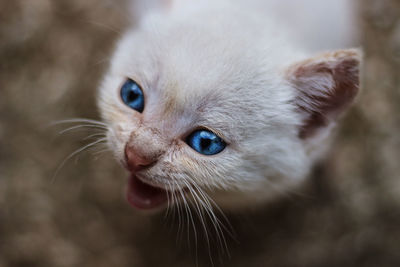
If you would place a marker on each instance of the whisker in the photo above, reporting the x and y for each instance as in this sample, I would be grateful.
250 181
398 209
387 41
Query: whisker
169 212
212 203
229 229
75 153
101 151
94 135
171 199
190 216
174 201
194 228
101 61
104 26
200 213
215 221
168 200
186 206
99 154
77 120
179 215
219 226
82 126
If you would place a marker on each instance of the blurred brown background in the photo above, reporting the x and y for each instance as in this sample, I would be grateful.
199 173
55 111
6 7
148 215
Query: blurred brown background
52 55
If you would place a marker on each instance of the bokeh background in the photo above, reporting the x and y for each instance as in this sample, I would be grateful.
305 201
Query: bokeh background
52 56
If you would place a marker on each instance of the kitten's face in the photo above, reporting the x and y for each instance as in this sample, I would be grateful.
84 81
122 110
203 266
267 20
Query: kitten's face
194 106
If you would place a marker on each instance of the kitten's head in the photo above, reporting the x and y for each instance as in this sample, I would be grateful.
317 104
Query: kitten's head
212 100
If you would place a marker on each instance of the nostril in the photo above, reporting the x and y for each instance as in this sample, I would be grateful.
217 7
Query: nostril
135 161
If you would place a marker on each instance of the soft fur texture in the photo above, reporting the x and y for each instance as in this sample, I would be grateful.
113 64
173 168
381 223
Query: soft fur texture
230 68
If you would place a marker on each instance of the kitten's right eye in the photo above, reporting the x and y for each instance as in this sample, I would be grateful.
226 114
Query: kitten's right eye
132 95
205 142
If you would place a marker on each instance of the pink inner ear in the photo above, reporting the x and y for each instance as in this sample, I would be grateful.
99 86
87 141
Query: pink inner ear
326 87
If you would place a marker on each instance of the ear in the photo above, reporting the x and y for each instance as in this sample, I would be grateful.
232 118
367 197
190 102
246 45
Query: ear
325 86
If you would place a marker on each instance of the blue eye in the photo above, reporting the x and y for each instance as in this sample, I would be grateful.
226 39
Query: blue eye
132 95
205 142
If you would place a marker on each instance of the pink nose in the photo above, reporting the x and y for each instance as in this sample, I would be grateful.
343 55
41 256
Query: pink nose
135 161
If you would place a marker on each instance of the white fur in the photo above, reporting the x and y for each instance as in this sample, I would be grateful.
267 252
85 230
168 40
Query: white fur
218 65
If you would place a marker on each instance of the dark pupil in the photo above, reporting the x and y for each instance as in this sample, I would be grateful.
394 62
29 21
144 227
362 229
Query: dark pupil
204 143
132 96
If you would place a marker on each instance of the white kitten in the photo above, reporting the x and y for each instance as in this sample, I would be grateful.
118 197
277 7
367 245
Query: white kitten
219 101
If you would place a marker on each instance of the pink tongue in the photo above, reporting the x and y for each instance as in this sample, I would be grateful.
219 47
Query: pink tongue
144 196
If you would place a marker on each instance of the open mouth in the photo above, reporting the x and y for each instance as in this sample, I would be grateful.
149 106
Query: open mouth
144 196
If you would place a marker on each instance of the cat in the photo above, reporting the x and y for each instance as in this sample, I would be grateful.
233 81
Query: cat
219 104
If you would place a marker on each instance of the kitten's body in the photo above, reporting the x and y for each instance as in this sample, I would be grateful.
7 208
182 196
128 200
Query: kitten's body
231 68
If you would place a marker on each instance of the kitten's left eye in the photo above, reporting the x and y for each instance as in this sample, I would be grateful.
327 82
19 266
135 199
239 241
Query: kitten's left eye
132 95
205 142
